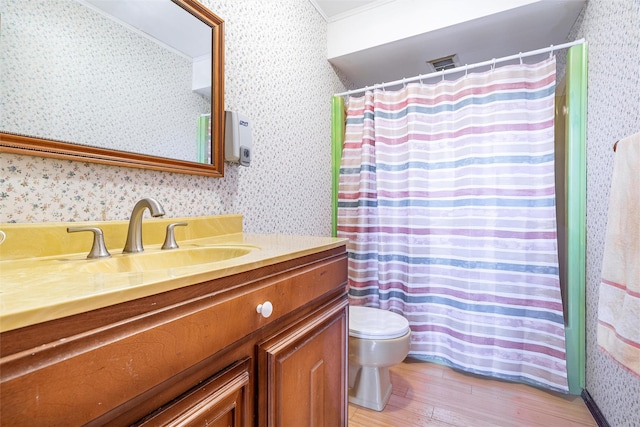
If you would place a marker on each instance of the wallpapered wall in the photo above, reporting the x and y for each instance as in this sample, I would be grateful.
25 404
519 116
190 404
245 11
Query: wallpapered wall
612 30
276 72
70 73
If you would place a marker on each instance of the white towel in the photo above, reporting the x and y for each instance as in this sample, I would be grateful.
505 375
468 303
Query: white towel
619 303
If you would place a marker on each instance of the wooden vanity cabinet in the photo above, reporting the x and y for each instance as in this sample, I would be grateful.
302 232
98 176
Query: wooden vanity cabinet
298 366
220 401
198 355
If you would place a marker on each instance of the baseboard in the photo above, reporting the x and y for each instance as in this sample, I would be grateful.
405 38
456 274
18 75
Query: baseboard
593 408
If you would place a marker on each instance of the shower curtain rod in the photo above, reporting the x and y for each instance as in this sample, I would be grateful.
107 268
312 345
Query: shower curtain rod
467 67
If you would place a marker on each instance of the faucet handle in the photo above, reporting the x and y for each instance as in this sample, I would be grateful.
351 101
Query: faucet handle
170 239
98 250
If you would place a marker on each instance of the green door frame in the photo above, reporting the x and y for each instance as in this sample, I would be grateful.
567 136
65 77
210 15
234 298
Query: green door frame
576 196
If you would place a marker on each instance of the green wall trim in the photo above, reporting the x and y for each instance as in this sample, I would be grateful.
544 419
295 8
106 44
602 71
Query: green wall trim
576 193
337 137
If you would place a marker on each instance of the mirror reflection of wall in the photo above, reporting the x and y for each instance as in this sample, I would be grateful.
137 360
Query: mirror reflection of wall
71 74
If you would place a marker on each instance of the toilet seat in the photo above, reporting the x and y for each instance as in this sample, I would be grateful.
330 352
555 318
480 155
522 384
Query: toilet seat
373 323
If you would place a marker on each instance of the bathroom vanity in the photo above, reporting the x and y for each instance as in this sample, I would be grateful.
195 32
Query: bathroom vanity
258 338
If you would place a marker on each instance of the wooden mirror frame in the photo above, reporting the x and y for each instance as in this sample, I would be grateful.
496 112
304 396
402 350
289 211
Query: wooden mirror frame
34 146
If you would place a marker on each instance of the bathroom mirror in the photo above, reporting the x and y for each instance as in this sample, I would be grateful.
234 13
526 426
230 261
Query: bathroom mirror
87 80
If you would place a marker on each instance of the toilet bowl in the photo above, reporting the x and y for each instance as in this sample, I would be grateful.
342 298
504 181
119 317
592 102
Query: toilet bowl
378 339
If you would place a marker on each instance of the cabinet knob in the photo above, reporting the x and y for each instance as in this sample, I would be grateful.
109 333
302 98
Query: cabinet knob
265 309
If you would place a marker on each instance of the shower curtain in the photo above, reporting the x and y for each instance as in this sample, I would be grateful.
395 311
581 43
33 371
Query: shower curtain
447 196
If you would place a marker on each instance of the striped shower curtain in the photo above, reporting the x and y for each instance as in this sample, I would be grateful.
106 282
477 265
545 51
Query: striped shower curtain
447 195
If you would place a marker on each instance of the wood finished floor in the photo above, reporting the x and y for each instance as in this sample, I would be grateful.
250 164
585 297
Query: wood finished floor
426 394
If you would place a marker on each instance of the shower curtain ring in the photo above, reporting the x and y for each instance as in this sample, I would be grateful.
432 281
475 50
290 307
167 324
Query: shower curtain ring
551 52
443 74
520 58
466 70
404 83
493 66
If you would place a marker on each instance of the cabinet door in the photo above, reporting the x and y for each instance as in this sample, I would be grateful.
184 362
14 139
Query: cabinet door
220 401
302 372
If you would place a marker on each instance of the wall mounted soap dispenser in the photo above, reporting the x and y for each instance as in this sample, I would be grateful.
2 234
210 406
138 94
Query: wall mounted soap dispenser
237 138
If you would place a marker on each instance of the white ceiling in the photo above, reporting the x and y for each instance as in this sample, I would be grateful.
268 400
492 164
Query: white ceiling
336 9
521 29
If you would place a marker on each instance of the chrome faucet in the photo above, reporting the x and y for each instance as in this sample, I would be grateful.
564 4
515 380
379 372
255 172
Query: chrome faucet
134 233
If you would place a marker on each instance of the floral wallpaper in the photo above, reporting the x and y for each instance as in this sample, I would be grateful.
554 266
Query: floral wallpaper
276 72
612 31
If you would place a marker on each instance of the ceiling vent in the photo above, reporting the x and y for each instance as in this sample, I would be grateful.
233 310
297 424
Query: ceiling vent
444 63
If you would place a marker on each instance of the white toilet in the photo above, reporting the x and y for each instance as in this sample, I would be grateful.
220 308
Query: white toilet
378 339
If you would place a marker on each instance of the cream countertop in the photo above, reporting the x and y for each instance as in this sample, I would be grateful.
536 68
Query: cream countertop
33 290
